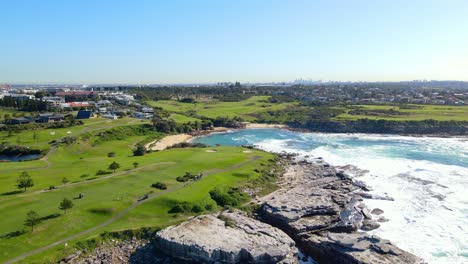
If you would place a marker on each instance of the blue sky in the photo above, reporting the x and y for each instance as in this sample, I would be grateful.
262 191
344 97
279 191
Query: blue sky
177 41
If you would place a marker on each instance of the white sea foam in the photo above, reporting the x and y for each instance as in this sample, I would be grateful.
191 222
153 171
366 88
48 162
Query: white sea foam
429 216
427 177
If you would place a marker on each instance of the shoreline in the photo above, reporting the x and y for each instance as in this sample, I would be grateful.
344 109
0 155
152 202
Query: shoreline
171 140
322 209
167 141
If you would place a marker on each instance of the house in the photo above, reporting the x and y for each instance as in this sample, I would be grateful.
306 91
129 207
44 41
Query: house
85 114
50 118
21 97
20 120
141 115
110 116
147 110
54 100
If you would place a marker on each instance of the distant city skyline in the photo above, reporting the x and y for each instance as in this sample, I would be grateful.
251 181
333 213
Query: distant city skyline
208 41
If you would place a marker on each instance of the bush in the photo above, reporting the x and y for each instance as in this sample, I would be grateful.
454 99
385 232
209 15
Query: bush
188 145
111 154
197 209
227 220
183 207
229 197
68 140
139 150
188 177
159 185
102 172
186 207
87 245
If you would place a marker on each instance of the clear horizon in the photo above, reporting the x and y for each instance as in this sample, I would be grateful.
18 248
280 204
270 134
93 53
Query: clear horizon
180 42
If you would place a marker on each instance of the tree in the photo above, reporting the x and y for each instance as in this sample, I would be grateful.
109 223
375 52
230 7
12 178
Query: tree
32 219
114 166
135 165
65 180
35 136
24 181
65 204
140 150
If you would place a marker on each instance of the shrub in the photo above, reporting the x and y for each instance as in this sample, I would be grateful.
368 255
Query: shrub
111 154
68 140
183 207
186 207
188 177
229 197
159 185
139 150
197 209
102 172
188 145
227 220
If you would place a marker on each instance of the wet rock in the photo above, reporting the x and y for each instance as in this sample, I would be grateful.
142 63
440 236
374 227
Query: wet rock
377 211
322 211
368 225
355 247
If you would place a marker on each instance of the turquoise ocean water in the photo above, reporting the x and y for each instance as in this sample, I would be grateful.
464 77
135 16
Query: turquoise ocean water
426 176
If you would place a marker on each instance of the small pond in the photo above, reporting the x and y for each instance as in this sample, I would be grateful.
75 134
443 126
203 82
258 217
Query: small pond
19 157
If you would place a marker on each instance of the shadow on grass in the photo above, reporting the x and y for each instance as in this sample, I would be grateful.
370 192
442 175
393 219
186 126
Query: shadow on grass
101 211
47 217
13 234
11 193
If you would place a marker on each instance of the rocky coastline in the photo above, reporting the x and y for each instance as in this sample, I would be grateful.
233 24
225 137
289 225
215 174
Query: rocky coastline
318 209
322 209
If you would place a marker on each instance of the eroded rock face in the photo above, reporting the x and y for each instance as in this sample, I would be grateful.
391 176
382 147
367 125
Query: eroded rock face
230 238
322 210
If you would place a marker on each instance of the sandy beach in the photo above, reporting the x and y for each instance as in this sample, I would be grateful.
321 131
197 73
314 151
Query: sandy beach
171 140
259 125
168 141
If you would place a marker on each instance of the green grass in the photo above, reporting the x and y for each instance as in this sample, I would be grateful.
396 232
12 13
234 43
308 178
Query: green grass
107 195
183 118
420 112
245 109
41 137
11 112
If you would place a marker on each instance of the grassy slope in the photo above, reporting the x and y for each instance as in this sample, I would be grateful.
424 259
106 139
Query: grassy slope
243 108
11 112
257 104
110 195
26 138
436 112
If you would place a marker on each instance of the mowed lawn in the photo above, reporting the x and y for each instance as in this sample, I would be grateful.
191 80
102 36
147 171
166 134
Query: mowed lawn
419 112
245 109
107 195
41 137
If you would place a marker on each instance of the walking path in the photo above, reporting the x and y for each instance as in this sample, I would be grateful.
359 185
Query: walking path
124 212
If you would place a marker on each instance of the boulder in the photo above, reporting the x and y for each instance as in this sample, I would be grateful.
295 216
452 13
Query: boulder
368 225
357 247
322 211
377 211
230 237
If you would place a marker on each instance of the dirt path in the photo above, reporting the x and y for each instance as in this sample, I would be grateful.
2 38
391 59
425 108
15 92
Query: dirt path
124 212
